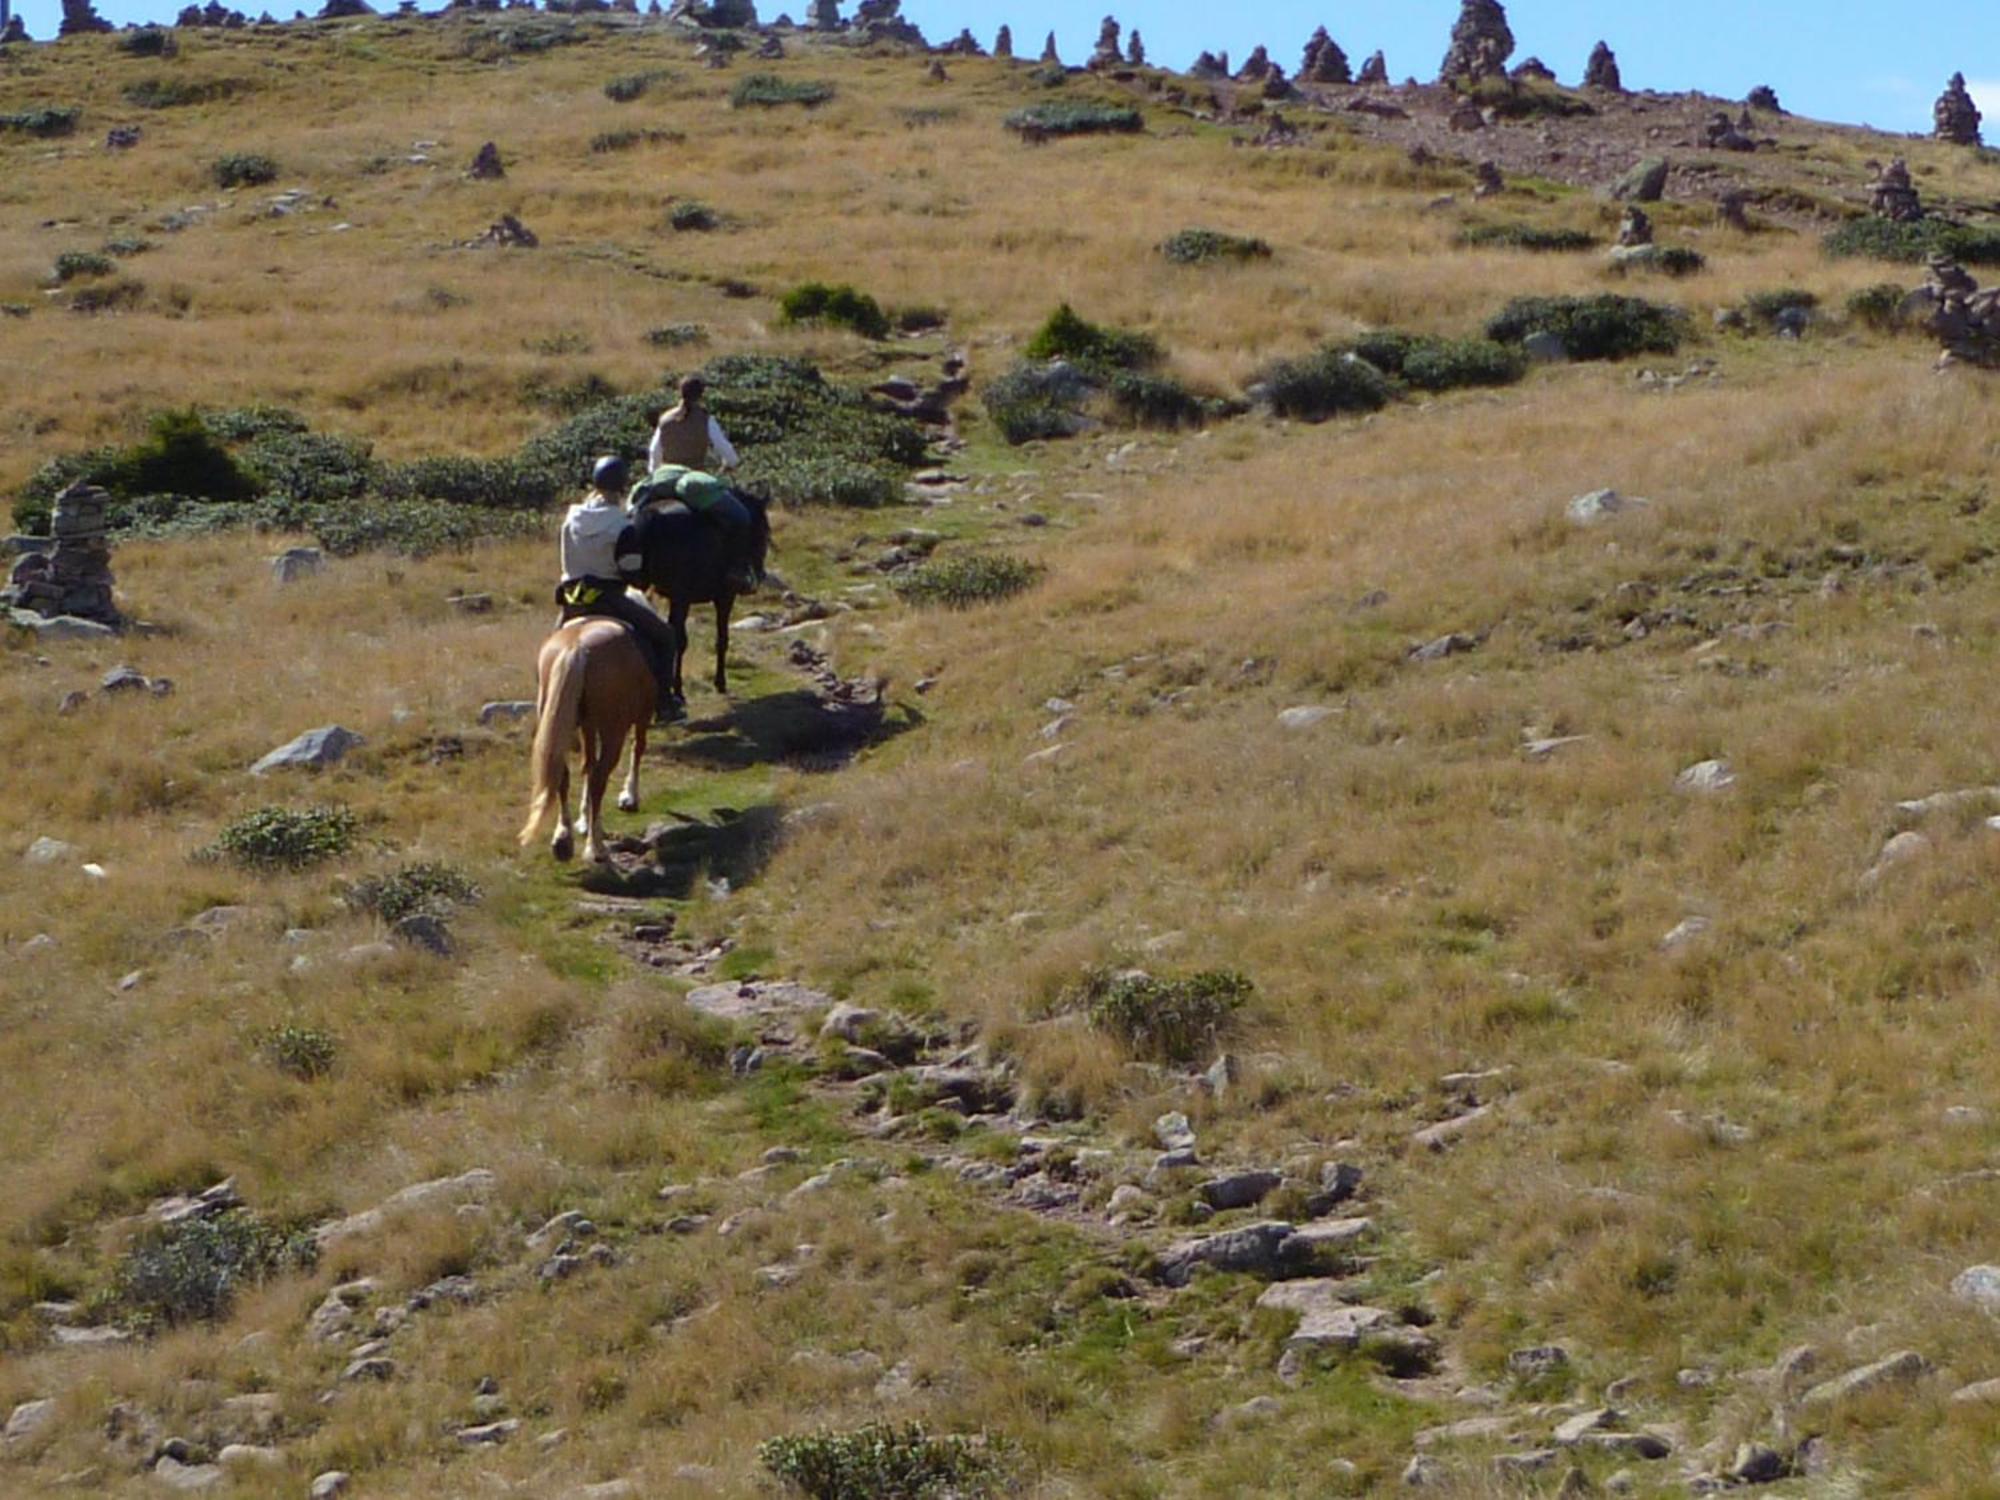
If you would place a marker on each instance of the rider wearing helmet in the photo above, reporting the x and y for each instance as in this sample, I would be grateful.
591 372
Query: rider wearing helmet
682 440
593 567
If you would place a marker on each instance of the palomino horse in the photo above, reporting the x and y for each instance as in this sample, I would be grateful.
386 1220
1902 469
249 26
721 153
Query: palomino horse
593 686
684 560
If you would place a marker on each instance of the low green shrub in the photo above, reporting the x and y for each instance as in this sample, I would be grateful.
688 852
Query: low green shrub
305 1052
126 246
842 305
1145 399
880 1461
961 582
48 121
1879 306
1679 260
176 93
1090 345
495 483
1040 122
1768 307
1524 99
1326 383
286 838
108 296
1601 327
677 335
148 41
1035 402
1049 75
1913 242
190 1271
567 396
414 528
692 216
427 888
633 85
243 169
1525 237
1166 1020
1438 364
1195 247
79 265
768 91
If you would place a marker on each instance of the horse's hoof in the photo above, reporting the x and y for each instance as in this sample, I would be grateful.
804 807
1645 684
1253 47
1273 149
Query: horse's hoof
597 854
563 847
627 802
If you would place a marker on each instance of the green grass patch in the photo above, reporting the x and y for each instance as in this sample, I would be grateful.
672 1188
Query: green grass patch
961 582
286 838
1041 122
47 121
178 93
769 91
1329 382
1168 1020
1528 237
243 169
881 1461
839 306
1199 247
1912 243
630 86
1601 327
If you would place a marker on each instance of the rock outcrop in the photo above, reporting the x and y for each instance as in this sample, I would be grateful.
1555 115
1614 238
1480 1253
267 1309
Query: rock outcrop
1951 307
1324 61
80 17
1375 70
1601 72
1481 43
1956 115
1724 134
72 578
1765 97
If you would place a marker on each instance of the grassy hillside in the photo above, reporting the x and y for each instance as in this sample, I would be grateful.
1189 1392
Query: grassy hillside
1722 1076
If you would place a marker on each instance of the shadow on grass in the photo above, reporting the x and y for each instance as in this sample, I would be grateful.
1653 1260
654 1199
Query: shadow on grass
735 847
801 729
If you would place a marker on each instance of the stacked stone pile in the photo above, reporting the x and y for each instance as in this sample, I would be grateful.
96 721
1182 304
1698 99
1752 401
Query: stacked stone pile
80 16
1956 115
1534 70
13 30
1963 318
1210 65
1636 229
1108 53
1724 134
1324 61
1601 72
1481 43
1135 50
74 576
1766 98
1894 196
1256 67
1375 70
1003 42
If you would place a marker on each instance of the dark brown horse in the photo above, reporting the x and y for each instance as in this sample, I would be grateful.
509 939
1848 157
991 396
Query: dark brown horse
594 687
685 561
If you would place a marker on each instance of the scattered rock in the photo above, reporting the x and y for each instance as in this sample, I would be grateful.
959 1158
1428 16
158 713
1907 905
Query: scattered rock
1256 1409
757 1000
1645 183
1454 644
1706 776
1173 1132
176 1475
441 1192
370 1367
1537 1361
425 931
1254 1248
1685 933
27 1421
1903 849
849 1022
488 1434
1979 1285
330 1485
1423 1473
1305 716
48 851
1600 505
1980 1393
295 563
1446 1132
1239 1189
1545 348
315 750
1904 1368
249 1456
505 711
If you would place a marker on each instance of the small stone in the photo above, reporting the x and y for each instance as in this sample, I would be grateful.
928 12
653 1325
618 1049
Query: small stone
1456 643
1706 776
48 851
1600 505
425 931
1685 933
1239 1189
1173 1132
1979 1393
296 563
27 1421
1305 716
1795 1364
1903 849
1756 1464
1573 1431
330 1485
489 1433
1256 1409
849 1022
248 1456
124 680
1534 1462
176 1475
505 711
1446 1132
1423 1473
1537 1361
559 1227
1979 1285
316 749
372 1367
1903 1368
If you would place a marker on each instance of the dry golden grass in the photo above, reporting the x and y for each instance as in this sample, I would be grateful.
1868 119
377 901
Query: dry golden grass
1410 892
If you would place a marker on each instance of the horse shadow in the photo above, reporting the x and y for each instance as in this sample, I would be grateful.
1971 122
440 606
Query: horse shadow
731 846
800 728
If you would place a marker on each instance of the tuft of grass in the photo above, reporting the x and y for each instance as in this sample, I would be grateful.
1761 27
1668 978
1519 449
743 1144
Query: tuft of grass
148 41
677 335
769 91
78 265
243 169
1092 346
1196 247
1438 364
108 296
178 93
881 1461
961 582
630 86
286 838
46 121
1529 237
304 1052
1166 1020
1040 122
191 1271
1879 306
841 306
1601 327
691 215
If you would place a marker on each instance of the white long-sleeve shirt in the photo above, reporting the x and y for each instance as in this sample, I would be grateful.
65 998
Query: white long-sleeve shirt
590 538
717 440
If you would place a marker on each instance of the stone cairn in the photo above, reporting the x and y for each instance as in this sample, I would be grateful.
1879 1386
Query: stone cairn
1108 53
1635 229
1964 319
1724 134
1956 115
1534 70
1733 204
1135 49
1765 97
965 44
1480 44
1003 43
1375 70
80 16
1893 196
486 165
13 30
1049 53
1256 67
74 576
1601 72
1487 181
824 15
1324 61
1211 66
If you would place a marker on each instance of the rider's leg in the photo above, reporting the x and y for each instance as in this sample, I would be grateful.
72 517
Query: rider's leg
657 643
732 523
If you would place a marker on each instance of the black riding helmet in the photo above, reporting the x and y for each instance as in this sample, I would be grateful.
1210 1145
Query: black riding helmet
609 474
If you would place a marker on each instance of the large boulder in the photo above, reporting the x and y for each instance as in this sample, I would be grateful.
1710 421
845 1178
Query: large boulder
314 750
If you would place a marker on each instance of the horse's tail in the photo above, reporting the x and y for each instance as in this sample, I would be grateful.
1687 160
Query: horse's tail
561 698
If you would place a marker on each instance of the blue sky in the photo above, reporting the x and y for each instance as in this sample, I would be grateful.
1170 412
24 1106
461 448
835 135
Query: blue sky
1843 60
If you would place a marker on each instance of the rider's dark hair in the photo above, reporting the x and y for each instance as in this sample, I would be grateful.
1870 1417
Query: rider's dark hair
693 388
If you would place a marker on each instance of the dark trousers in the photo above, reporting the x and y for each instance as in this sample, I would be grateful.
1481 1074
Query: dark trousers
657 642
